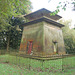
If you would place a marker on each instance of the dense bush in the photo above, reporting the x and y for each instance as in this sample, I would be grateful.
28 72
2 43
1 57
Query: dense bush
69 37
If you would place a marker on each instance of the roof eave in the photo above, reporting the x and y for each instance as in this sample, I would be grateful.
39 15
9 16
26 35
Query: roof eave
43 19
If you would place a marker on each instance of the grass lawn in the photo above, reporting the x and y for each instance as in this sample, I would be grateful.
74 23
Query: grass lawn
12 65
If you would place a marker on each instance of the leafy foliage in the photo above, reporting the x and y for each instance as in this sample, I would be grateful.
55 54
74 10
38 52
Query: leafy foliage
63 5
10 11
69 37
9 8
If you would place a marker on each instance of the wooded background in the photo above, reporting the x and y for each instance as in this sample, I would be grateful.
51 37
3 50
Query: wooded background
11 16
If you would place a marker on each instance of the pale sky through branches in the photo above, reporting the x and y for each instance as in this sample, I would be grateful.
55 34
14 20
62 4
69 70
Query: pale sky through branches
68 14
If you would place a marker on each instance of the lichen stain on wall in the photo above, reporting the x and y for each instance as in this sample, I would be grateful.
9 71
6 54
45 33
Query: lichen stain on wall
34 33
43 35
53 34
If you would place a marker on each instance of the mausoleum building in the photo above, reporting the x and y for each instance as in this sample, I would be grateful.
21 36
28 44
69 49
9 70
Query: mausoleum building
42 34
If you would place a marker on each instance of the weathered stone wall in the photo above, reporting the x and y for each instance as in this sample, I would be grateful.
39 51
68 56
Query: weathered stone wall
43 35
53 34
35 33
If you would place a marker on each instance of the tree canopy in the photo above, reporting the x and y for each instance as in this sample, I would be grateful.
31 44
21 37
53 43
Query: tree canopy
10 8
69 36
10 11
63 5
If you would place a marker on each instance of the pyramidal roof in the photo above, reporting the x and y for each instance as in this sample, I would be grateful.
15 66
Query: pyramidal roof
40 13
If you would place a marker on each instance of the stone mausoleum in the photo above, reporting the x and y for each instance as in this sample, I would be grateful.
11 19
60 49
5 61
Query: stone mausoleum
42 35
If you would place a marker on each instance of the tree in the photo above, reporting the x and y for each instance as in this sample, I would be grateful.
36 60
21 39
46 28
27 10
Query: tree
8 10
63 5
15 36
69 36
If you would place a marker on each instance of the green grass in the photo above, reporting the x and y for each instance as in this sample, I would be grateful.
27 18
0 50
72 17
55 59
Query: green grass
12 65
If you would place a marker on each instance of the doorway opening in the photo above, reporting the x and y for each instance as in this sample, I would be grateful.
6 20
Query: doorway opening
29 47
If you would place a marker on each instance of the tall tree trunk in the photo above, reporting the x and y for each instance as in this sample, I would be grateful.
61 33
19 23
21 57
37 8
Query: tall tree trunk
8 40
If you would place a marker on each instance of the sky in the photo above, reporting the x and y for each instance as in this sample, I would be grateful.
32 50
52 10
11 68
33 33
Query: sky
67 15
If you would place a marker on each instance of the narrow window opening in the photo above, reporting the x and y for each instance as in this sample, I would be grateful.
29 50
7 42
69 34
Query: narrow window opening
55 47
